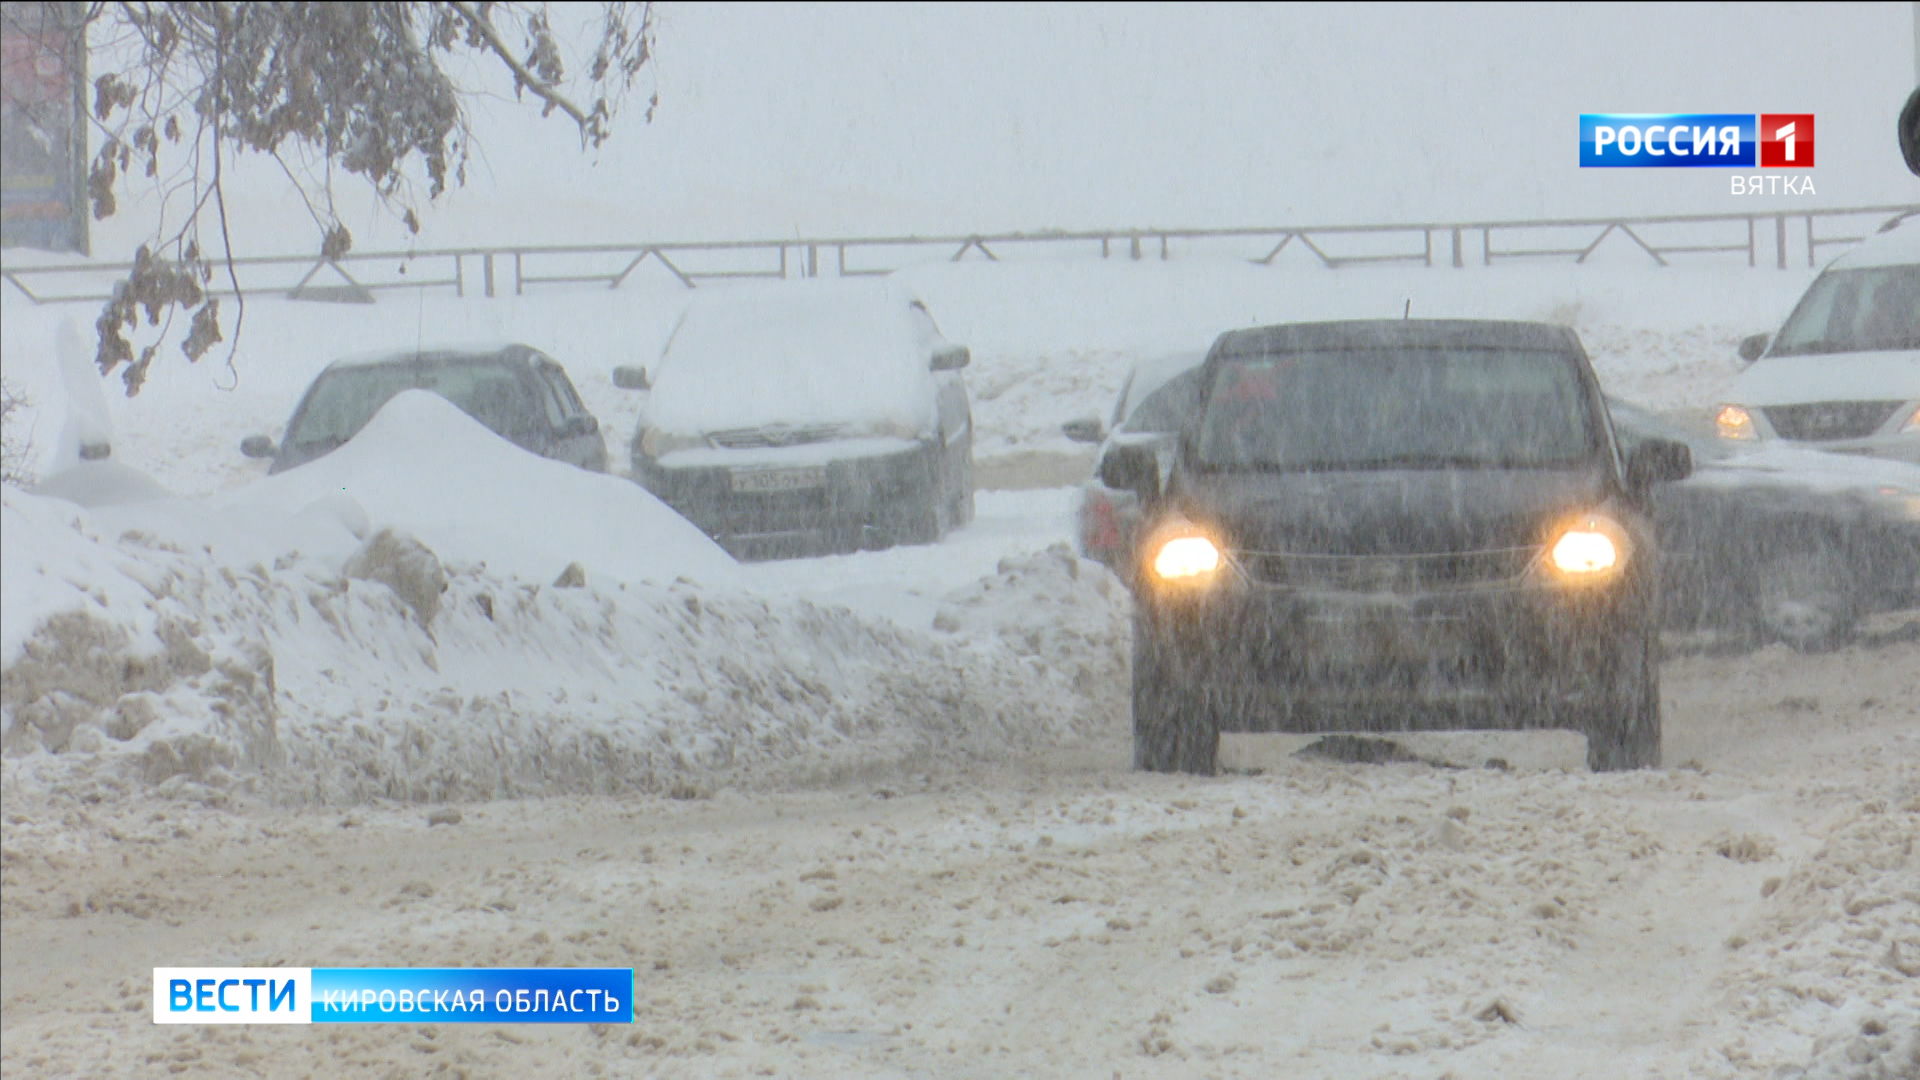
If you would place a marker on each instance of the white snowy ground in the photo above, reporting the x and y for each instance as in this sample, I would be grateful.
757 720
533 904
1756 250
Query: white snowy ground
871 815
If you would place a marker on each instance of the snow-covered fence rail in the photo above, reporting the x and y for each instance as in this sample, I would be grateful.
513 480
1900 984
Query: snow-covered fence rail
1777 238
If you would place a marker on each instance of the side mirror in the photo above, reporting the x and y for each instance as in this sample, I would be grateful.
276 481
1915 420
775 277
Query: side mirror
1087 429
580 424
1754 347
951 358
258 446
631 378
1132 468
1657 461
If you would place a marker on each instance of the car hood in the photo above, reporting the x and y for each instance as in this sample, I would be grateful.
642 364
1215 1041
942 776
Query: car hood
1396 512
1865 376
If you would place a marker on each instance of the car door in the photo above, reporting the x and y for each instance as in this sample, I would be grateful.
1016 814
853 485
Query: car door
576 432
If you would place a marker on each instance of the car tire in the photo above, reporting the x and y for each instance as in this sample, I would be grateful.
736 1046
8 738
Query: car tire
1173 730
1808 601
1627 735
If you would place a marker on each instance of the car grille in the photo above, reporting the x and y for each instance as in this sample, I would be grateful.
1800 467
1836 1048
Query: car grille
774 511
760 438
1828 420
1389 573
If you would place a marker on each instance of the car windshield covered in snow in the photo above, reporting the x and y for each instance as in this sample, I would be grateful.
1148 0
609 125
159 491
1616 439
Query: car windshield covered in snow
846 355
345 397
1869 309
1396 408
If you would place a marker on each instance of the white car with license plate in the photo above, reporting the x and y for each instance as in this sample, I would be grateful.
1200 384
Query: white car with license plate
810 417
1843 373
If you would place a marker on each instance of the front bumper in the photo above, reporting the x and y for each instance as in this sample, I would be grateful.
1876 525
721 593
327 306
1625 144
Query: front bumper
1515 656
860 501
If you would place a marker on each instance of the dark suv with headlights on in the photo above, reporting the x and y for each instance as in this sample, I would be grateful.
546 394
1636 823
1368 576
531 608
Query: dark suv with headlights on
1378 527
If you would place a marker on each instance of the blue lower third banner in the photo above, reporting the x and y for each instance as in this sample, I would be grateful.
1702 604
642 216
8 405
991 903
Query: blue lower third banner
389 995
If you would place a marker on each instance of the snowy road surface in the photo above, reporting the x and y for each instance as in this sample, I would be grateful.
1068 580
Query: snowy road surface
1753 910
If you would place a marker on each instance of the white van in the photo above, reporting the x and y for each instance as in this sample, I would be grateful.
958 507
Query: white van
1843 373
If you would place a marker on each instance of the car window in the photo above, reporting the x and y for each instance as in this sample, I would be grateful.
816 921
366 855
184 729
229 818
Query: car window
552 398
344 399
1397 408
1870 309
569 398
1167 408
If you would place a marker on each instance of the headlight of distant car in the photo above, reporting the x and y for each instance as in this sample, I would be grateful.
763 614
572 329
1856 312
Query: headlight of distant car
1180 554
1734 422
1591 550
654 442
1903 502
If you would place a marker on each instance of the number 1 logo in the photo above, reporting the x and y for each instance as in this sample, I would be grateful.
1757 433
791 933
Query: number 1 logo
1786 140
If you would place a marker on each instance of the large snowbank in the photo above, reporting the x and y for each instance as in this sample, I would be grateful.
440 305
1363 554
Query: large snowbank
425 467
292 638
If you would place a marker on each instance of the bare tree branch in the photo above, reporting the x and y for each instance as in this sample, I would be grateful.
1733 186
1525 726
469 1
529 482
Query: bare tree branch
355 90
504 53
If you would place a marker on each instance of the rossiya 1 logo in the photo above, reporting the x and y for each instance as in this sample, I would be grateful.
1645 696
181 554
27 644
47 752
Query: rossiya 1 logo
1704 141
1786 140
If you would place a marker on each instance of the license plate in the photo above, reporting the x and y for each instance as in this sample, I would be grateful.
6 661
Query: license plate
1389 636
763 480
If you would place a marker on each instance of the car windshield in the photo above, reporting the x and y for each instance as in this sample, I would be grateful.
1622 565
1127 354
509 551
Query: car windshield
1396 409
344 399
1871 309
1167 407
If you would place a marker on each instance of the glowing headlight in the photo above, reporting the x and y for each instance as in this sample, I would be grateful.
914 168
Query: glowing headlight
1180 553
1735 422
1581 552
654 442
1186 557
1913 422
1590 550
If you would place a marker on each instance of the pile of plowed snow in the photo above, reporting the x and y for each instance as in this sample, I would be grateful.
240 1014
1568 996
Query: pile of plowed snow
429 613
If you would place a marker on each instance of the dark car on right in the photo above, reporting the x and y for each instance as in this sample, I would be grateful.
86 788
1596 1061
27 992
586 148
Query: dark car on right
1774 542
1389 526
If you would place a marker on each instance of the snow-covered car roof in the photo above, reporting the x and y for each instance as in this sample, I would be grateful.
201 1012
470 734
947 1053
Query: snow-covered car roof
814 352
475 349
1898 246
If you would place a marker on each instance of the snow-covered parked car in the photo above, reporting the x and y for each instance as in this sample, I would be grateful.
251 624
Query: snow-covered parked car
518 392
808 417
1843 373
1777 541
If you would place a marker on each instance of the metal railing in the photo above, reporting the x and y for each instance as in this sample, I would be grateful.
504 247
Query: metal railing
1780 238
